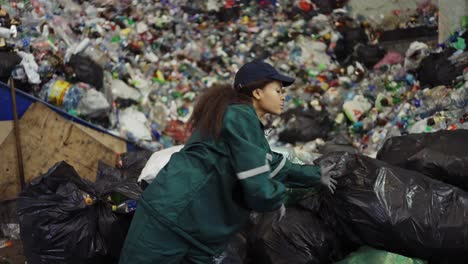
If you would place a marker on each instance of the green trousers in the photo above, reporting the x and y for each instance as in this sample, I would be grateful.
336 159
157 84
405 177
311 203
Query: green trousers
150 242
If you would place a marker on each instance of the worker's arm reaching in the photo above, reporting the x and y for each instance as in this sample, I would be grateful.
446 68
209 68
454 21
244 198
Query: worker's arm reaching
249 159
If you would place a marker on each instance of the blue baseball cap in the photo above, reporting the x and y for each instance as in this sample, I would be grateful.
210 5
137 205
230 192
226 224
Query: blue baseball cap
258 70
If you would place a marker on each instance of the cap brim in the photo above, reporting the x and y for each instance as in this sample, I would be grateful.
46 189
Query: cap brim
286 80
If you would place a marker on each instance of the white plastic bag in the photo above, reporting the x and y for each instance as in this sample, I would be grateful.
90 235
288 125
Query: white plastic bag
93 103
356 108
157 161
415 54
121 90
134 125
30 67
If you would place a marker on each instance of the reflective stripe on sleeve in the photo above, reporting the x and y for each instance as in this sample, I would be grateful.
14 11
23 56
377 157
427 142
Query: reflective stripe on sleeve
269 157
280 166
253 172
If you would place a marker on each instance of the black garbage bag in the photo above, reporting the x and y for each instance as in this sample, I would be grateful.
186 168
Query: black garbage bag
436 70
124 103
339 142
84 69
113 184
465 37
113 229
8 62
112 181
236 251
228 14
331 147
345 46
304 126
369 55
107 175
300 237
8 212
66 219
325 6
134 162
394 209
57 226
8 220
260 52
441 155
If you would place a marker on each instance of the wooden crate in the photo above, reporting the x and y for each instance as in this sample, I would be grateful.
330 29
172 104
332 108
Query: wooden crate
47 138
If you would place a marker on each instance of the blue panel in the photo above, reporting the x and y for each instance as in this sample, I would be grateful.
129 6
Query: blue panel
24 100
6 104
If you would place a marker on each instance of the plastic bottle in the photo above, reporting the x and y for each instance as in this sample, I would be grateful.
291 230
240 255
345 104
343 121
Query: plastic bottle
62 94
126 207
88 199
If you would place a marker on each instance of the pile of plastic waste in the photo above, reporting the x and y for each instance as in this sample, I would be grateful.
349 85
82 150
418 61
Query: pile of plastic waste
136 67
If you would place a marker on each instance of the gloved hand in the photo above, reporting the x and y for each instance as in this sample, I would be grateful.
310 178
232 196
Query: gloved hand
327 175
282 212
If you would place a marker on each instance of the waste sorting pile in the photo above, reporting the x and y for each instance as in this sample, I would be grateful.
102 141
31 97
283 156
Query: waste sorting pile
136 68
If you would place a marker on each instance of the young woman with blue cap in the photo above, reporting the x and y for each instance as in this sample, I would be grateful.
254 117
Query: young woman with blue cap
204 195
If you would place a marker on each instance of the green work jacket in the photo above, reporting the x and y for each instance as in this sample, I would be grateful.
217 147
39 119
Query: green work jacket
206 191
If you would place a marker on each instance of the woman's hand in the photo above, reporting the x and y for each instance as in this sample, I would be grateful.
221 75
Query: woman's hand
327 177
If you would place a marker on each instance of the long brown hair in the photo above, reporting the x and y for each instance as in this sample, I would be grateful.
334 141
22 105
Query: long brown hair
208 113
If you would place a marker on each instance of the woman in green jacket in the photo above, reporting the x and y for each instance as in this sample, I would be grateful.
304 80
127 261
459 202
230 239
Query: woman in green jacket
205 193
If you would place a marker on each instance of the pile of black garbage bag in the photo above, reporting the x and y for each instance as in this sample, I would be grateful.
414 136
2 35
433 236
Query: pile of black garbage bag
409 203
441 155
300 237
67 219
408 210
